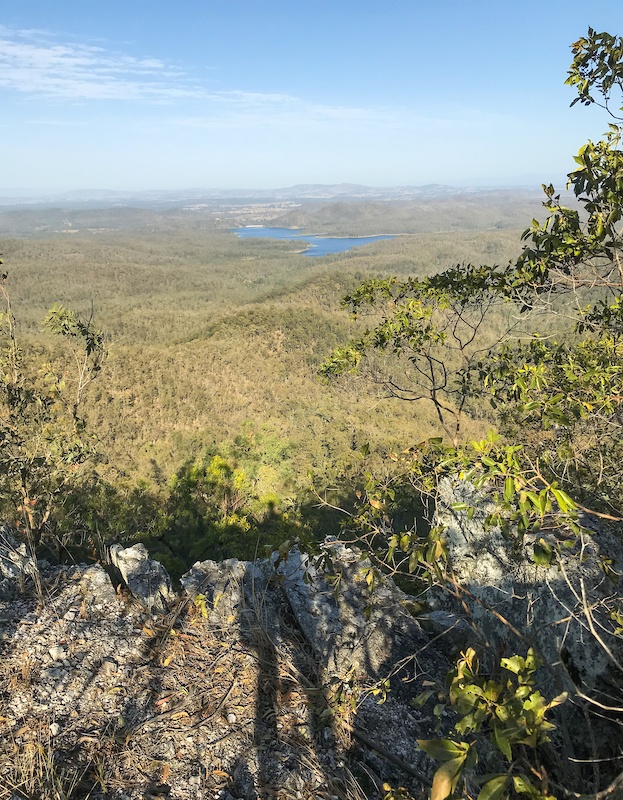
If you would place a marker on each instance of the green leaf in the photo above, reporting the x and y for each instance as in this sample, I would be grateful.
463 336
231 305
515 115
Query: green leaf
558 700
523 785
543 553
443 749
557 416
502 742
565 503
533 662
495 788
446 778
514 664
509 488
422 698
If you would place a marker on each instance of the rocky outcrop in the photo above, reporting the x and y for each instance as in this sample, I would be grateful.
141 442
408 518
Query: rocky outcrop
243 685
15 563
564 611
96 588
146 579
224 697
351 628
230 589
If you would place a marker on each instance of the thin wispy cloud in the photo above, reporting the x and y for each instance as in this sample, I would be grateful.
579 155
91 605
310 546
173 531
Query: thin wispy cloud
39 63
35 62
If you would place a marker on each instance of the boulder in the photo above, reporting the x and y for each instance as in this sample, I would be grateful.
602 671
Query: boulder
148 580
15 563
234 591
97 587
353 628
14 560
562 610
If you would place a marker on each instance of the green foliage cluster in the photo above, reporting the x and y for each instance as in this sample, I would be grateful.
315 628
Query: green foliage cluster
511 708
43 446
562 393
466 335
227 503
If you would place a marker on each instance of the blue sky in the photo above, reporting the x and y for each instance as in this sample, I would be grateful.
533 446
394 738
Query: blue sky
147 94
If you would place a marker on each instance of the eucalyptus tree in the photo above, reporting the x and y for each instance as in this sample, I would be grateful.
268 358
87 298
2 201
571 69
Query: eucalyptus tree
535 347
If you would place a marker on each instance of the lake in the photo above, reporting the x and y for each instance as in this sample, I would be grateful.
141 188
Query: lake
316 245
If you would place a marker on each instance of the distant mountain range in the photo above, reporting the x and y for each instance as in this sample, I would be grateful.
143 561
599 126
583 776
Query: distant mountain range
171 198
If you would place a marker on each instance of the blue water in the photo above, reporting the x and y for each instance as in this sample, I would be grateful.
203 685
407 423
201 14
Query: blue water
317 245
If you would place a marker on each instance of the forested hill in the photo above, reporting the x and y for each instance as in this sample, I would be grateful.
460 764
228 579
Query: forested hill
437 209
501 210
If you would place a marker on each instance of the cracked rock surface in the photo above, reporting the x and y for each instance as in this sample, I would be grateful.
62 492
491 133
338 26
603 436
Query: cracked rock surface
224 698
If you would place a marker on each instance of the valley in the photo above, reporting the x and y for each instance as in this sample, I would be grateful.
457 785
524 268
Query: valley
207 333
213 345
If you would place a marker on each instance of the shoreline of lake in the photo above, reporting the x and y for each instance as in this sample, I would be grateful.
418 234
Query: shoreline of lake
318 246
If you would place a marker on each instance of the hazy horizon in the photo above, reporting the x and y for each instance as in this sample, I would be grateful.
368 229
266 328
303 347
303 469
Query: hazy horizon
25 191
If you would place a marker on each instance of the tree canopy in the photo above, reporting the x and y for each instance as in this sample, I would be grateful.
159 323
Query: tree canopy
540 338
534 348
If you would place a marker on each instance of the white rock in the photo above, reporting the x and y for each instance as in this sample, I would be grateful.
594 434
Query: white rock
146 579
57 653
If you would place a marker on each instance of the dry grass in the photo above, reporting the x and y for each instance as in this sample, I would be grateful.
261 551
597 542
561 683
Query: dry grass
223 702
